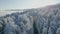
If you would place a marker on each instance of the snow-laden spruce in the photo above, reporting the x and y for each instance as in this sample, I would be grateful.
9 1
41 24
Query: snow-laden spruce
32 21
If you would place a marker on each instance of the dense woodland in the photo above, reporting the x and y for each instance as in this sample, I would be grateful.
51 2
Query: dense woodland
45 20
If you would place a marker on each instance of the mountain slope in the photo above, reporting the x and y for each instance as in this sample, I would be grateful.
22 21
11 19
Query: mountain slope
45 20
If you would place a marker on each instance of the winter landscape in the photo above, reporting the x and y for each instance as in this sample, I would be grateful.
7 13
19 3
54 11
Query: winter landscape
44 20
29 16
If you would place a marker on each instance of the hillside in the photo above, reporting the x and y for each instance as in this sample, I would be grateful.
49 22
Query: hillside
45 20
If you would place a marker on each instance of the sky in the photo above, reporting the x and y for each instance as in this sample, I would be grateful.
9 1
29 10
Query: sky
25 4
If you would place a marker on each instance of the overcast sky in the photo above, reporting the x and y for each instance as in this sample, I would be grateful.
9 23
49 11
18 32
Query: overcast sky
25 4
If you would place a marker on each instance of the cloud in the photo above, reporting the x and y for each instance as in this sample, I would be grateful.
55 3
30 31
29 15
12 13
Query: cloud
2 13
41 3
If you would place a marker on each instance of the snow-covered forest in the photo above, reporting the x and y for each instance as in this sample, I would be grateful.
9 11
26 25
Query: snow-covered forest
45 20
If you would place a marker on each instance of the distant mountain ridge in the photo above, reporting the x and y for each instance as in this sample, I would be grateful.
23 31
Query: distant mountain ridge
45 20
